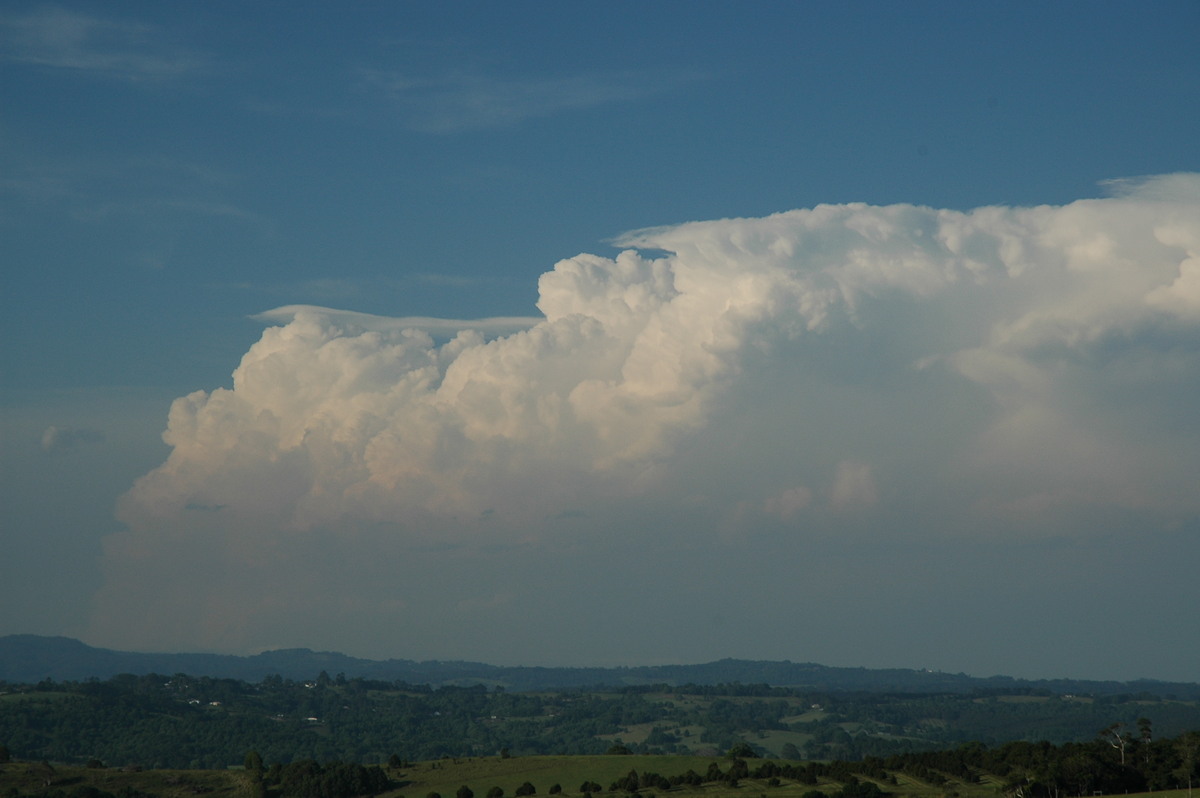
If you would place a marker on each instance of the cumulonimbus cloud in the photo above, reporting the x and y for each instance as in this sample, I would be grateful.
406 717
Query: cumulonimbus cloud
1001 368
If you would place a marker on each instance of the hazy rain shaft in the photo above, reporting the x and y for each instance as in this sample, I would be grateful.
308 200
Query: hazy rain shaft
842 370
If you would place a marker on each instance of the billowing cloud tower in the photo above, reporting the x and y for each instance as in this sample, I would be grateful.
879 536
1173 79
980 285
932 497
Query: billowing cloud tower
843 370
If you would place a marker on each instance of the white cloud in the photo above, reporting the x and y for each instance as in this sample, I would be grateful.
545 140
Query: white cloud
1182 296
355 321
998 371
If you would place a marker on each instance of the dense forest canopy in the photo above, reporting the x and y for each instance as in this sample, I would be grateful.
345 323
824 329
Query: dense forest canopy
202 722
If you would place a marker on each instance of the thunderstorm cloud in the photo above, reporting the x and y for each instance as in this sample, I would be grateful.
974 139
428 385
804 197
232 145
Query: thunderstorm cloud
844 371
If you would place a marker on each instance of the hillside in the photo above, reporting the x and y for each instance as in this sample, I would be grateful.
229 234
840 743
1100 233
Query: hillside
32 658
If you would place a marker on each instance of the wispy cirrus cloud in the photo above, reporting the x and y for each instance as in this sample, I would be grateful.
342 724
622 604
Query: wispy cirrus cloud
65 39
183 206
106 188
471 100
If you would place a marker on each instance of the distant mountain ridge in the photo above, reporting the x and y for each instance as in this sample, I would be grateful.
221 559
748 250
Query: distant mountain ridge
26 658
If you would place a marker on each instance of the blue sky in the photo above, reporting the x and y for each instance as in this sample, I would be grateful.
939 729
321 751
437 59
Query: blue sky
757 435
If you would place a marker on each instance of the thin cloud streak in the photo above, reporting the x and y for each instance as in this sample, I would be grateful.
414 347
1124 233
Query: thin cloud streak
352 320
63 39
104 189
466 100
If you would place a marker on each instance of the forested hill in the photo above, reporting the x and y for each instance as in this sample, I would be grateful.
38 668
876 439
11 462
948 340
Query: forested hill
32 658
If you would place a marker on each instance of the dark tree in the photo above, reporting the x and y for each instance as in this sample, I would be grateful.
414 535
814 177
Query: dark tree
742 750
1147 737
1187 747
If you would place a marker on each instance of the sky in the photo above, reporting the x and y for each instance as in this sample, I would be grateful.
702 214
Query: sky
622 333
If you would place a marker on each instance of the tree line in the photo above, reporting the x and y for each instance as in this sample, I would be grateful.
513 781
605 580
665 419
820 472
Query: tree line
1119 759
